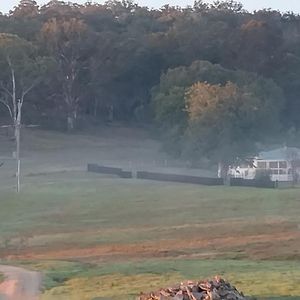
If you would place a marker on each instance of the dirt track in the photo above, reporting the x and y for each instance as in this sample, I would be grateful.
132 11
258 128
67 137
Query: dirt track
19 284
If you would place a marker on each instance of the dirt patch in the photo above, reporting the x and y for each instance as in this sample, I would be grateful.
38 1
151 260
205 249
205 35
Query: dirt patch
273 239
258 246
19 284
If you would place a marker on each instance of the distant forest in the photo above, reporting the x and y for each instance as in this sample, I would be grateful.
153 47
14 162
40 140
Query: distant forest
214 80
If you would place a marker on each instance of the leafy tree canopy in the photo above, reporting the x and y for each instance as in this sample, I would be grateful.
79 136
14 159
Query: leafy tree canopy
215 112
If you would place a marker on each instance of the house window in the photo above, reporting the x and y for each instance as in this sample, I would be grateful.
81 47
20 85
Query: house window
275 172
283 164
261 164
282 172
273 164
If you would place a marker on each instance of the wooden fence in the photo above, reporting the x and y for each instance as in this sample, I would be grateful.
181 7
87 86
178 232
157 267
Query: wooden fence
179 178
109 171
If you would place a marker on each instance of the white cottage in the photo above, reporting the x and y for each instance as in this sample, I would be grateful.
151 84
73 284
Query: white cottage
283 164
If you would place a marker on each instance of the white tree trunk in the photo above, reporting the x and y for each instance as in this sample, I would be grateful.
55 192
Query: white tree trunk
70 124
71 120
14 107
17 135
219 170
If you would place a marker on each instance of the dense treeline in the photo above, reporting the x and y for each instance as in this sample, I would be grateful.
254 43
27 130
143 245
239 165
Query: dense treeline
217 80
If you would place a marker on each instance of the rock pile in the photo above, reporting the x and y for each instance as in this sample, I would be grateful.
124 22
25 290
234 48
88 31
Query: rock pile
215 289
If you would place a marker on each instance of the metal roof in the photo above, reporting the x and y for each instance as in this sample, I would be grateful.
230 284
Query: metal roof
284 153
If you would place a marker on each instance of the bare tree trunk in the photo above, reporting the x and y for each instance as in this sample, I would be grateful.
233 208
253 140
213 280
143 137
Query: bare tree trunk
14 107
222 170
219 170
70 123
71 119
96 107
111 113
18 133
13 96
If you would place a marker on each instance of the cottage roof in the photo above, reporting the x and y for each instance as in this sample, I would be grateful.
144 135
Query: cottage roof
284 153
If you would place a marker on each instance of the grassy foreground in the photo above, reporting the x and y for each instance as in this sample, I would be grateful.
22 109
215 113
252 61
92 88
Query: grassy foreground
125 280
101 238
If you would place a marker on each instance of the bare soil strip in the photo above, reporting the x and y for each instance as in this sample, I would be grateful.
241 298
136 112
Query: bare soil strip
276 243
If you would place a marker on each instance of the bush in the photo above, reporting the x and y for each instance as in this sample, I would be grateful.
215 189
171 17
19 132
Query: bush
263 175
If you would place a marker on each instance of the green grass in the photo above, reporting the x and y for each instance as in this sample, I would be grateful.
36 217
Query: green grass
62 204
79 209
264 279
1 277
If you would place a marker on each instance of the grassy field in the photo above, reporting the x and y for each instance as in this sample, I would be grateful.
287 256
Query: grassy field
107 238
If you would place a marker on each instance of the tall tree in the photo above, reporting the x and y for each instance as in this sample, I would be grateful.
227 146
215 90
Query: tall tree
21 72
227 122
70 44
26 9
202 115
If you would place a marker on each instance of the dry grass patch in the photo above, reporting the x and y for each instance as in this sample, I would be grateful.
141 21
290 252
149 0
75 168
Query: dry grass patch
116 286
